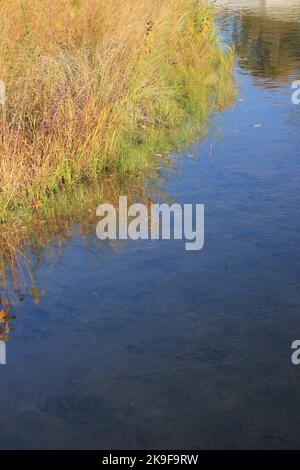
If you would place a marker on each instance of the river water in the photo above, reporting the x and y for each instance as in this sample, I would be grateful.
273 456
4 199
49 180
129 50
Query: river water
149 346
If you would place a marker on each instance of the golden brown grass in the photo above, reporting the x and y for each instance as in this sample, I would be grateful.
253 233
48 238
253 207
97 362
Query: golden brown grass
92 84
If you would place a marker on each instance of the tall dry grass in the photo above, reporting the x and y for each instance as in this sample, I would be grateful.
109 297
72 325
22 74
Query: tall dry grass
92 84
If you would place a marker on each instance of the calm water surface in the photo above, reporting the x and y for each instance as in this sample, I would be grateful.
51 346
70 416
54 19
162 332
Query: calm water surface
149 346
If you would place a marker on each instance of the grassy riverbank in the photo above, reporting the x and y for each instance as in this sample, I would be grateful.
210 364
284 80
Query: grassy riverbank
96 88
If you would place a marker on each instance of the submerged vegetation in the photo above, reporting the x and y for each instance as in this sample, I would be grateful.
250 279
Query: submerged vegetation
94 88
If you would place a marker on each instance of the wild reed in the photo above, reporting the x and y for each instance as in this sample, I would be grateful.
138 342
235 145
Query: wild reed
96 87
